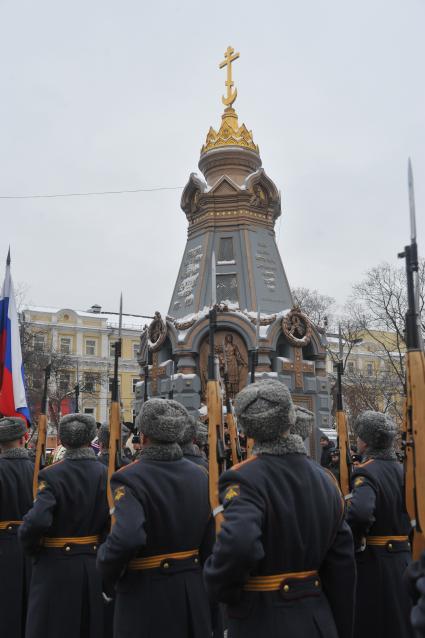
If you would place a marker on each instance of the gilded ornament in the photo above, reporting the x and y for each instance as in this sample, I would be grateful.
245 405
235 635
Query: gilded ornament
230 133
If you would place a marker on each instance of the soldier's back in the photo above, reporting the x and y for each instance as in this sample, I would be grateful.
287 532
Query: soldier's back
16 473
381 528
284 561
63 531
164 525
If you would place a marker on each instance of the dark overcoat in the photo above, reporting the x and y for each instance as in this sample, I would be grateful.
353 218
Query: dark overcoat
66 590
104 458
196 458
283 514
161 507
16 473
376 509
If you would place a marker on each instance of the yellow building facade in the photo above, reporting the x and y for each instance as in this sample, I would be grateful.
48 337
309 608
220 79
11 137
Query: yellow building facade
85 340
374 363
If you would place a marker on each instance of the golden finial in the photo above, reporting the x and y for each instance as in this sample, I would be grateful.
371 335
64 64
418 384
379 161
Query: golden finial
229 133
229 57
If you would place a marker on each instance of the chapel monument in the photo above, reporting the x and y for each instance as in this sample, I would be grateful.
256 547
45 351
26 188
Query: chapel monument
231 259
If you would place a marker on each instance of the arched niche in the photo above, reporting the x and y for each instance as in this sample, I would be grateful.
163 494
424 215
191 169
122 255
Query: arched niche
232 352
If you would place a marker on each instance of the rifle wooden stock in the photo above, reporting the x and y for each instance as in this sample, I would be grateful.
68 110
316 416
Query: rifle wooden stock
249 446
114 449
233 433
215 416
344 451
40 452
414 431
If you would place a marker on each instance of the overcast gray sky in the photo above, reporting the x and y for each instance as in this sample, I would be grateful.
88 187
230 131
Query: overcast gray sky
105 95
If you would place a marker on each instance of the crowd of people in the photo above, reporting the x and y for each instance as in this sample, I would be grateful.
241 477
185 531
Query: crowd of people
283 556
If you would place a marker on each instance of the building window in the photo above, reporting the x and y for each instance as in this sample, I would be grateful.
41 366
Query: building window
135 350
225 250
350 367
89 383
111 383
227 288
88 410
369 369
39 343
37 382
91 347
65 345
134 382
64 381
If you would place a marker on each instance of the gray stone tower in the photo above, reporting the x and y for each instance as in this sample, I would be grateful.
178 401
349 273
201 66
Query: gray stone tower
231 215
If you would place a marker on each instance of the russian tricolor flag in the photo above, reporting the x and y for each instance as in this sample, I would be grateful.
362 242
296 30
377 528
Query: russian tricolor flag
13 401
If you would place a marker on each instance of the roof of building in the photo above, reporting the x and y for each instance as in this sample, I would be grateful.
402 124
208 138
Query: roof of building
135 322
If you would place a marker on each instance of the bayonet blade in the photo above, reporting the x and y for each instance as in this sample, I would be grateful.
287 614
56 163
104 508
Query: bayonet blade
213 280
341 348
257 330
120 320
411 201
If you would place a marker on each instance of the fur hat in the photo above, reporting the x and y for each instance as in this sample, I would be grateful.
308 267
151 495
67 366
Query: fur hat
201 437
77 430
193 431
103 434
376 429
304 422
163 420
12 428
189 433
265 410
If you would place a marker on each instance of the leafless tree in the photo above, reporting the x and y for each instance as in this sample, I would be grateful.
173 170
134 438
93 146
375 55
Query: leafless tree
378 391
379 305
316 306
37 353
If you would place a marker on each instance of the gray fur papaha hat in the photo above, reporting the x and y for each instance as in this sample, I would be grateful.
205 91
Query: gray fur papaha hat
189 433
201 437
103 434
77 430
304 421
162 420
12 428
265 410
376 429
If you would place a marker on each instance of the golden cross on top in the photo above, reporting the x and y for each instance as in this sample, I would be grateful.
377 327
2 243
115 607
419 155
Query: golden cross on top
229 57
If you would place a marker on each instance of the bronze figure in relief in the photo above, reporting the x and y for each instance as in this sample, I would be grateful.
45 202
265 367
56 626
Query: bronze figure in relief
297 328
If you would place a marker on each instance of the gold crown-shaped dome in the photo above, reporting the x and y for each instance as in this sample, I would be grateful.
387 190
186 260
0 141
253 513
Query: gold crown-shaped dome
229 134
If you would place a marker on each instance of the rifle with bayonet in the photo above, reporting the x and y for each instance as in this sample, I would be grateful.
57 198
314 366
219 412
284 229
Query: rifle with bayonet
216 453
254 364
345 462
115 419
235 445
40 452
414 413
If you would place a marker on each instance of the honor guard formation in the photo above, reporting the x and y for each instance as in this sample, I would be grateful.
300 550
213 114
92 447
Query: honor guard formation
248 504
